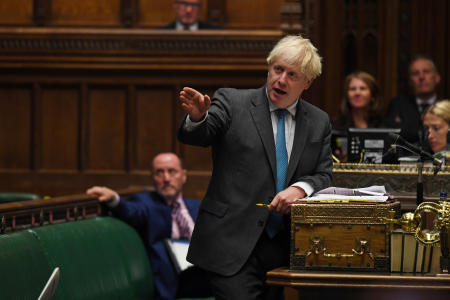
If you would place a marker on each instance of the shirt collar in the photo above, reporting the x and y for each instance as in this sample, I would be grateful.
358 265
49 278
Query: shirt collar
179 26
179 199
430 101
292 109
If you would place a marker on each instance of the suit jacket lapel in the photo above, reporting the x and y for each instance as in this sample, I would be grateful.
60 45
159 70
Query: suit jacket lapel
261 117
301 125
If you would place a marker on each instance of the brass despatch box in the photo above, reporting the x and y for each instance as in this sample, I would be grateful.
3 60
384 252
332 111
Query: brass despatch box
338 236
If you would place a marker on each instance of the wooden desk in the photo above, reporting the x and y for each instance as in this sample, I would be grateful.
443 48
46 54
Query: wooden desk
373 286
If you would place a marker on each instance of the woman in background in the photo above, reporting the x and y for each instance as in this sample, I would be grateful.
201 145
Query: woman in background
436 121
361 105
360 108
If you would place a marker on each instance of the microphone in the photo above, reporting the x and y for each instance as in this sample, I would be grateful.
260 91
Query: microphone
392 150
399 141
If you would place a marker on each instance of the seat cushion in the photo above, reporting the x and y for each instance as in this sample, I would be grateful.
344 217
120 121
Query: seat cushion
100 258
24 269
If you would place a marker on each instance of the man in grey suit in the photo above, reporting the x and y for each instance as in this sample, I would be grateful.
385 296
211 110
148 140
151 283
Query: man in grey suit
268 146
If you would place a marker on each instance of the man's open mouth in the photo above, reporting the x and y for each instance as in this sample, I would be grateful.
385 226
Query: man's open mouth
278 91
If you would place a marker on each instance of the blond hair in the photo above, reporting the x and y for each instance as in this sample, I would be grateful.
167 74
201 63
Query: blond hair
440 109
296 50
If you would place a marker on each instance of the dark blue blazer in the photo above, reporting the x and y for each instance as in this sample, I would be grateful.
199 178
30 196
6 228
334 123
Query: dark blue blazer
150 215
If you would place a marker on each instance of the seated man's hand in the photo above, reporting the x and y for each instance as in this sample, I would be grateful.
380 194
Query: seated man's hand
103 194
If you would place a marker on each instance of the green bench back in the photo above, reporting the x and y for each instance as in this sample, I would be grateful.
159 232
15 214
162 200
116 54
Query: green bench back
23 266
100 258
13 197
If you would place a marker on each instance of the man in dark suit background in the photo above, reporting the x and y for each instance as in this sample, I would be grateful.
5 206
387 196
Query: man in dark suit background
187 16
153 216
405 111
268 146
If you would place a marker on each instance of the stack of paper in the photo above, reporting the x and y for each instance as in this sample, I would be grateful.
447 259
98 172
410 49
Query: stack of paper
374 193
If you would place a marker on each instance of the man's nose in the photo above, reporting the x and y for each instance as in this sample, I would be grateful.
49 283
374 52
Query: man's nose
283 77
166 176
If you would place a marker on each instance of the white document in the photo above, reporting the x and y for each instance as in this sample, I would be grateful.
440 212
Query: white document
345 198
375 190
50 288
178 250
375 193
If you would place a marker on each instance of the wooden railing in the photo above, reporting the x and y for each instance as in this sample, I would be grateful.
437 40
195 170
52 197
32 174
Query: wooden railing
16 216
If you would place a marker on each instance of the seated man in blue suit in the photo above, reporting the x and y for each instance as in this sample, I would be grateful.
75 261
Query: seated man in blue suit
187 16
159 215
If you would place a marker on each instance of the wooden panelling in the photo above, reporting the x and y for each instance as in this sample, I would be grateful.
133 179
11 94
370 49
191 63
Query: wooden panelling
261 14
388 50
429 35
155 13
328 37
154 124
358 35
96 103
15 127
60 129
96 13
118 49
446 75
107 129
16 12
197 158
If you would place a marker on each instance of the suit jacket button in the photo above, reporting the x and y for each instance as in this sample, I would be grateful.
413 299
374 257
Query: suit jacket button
260 223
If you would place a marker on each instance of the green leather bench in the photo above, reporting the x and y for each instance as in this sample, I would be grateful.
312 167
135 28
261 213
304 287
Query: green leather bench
13 197
99 258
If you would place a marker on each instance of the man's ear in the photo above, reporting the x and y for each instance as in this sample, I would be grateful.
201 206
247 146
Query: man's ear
152 179
438 78
184 176
308 84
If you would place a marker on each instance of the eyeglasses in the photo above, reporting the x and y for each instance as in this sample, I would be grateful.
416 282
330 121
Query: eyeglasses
185 4
292 76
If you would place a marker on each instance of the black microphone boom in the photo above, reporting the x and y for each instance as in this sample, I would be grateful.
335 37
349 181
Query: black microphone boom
398 140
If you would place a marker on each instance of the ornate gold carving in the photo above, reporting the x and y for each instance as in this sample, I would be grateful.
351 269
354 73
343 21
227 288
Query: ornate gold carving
342 213
396 178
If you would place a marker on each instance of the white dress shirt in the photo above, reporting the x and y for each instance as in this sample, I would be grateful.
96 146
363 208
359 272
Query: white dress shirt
289 133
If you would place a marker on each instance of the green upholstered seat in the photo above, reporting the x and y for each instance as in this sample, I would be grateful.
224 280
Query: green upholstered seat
13 197
23 266
100 258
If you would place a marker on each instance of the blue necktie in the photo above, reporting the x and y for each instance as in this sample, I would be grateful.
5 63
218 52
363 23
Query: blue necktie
275 222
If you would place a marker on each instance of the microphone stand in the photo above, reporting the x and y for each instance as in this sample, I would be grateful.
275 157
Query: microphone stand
423 134
419 184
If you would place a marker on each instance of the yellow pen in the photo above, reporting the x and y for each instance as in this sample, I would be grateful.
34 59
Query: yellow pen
263 205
